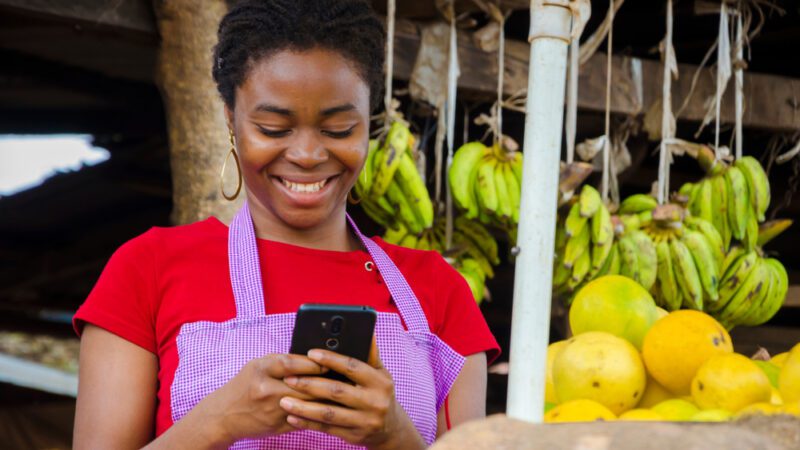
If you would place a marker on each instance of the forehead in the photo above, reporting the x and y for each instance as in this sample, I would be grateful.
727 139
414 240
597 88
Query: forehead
302 79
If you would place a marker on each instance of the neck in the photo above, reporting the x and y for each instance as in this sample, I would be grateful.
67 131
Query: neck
332 234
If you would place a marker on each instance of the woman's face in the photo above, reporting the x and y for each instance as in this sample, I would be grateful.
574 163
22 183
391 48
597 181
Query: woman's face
301 123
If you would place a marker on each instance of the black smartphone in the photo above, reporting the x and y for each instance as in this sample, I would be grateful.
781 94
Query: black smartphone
343 329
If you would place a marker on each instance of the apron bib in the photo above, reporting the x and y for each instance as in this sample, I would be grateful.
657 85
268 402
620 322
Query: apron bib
422 366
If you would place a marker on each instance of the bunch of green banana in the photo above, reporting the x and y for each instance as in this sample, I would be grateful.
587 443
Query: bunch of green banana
753 287
732 197
585 244
390 187
681 263
486 183
474 251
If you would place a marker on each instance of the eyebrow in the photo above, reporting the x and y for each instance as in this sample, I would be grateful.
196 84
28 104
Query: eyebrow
266 107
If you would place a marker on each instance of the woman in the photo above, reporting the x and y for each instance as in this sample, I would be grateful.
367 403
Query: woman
184 336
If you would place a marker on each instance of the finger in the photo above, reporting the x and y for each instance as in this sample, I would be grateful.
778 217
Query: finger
332 415
374 355
282 365
323 388
347 434
358 371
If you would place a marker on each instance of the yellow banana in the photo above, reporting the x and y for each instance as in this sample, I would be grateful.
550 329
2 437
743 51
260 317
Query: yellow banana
388 160
767 231
712 236
703 202
504 206
670 292
777 294
748 314
576 246
744 297
602 227
637 203
414 189
513 191
471 272
611 265
478 234
646 257
485 186
579 270
719 203
404 210
589 201
738 202
462 174
575 222
758 184
686 275
409 241
395 235
516 166
480 258
704 260
630 222
629 261
364 181
738 271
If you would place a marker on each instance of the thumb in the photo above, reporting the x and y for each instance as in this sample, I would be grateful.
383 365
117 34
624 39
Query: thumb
374 355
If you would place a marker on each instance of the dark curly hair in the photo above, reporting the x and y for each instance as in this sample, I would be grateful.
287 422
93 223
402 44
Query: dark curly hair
254 29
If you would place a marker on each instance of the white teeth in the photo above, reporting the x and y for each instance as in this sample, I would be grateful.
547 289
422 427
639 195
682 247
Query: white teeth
304 187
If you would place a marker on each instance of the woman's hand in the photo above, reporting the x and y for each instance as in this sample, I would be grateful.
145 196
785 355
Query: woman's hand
247 405
367 413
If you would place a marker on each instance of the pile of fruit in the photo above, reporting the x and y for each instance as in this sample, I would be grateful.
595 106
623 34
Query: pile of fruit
486 183
631 360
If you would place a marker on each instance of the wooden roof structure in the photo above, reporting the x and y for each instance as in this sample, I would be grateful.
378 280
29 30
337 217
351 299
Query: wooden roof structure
87 66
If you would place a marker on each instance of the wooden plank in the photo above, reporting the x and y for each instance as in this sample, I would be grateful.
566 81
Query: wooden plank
792 297
770 102
129 15
37 376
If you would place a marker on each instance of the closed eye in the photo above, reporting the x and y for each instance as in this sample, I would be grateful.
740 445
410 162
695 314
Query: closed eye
339 134
273 133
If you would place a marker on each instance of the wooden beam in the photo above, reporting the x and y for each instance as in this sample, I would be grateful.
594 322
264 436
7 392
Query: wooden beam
771 102
792 297
134 16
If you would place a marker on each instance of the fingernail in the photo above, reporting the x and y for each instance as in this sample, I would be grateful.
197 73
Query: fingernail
293 420
315 355
291 381
287 403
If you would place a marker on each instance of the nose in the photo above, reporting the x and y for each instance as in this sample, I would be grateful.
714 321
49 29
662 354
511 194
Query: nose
307 150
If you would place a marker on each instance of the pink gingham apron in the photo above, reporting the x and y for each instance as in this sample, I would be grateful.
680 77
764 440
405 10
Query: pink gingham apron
422 366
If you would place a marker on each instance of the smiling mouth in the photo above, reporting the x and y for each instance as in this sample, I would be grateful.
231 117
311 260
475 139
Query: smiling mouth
304 188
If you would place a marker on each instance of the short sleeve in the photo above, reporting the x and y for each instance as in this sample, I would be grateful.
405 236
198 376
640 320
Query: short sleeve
460 322
123 299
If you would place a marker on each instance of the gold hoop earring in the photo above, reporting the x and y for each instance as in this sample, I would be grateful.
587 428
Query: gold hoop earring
352 199
238 171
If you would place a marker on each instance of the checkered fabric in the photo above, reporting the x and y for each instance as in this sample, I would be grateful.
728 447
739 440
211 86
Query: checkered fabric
422 366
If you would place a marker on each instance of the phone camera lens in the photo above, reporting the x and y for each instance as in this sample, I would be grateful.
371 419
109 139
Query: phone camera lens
336 325
332 344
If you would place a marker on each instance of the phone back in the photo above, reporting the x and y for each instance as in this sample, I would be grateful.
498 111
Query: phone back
343 329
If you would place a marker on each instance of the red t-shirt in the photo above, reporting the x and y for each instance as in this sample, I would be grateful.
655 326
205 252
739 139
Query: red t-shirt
166 277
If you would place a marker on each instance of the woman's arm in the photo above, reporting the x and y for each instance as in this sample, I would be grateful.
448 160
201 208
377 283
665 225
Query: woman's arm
116 392
467 399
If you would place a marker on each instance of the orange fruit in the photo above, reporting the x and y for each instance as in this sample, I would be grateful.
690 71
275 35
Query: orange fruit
678 344
550 390
581 410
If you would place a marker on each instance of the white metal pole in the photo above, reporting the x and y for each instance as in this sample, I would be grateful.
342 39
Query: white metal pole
530 323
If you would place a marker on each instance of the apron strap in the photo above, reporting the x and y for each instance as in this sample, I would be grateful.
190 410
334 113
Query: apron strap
244 266
404 298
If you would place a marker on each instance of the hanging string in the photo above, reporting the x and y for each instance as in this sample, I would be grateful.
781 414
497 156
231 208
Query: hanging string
723 70
452 92
667 130
387 98
572 98
501 66
739 80
604 185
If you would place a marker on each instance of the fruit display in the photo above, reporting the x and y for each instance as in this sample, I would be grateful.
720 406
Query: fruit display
390 187
486 183
686 368
585 245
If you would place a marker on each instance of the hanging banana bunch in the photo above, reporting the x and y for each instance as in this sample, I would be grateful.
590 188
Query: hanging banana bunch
473 254
391 189
732 197
486 183
585 244
753 287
